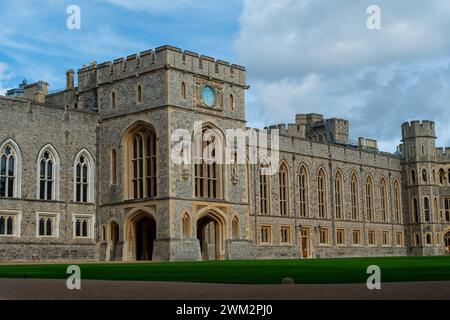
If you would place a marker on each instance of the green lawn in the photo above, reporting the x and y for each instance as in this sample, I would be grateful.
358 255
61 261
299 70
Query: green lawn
393 269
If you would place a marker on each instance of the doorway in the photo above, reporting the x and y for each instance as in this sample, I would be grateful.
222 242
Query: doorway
305 243
145 238
210 237
447 241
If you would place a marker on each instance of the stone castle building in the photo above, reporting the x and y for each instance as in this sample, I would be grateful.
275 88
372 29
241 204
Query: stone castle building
86 173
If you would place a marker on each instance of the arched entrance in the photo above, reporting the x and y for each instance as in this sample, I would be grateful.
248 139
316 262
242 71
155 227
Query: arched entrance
140 237
305 243
447 241
114 240
145 237
210 234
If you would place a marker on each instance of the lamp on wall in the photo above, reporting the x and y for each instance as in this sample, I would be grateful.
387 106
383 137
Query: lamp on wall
317 228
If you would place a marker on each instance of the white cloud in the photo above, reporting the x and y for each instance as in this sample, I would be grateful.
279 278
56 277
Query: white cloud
4 76
300 36
318 56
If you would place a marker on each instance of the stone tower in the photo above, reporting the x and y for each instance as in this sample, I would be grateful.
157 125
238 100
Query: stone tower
421 186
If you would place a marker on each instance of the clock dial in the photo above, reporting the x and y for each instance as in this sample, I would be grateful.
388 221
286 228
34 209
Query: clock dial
208 96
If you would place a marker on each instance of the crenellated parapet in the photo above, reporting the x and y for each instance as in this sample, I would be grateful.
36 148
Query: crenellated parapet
443 154
416 129
163 57
290 129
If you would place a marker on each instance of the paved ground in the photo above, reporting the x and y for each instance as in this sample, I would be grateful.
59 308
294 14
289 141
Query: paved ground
12 289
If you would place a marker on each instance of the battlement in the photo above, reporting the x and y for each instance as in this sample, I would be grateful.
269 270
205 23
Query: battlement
417 128
443 154
290 129
162 57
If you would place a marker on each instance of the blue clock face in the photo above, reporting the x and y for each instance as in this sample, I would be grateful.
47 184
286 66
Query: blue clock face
208 96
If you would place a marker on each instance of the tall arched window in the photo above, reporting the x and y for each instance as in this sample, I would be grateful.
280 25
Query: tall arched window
436 210
235 228
303 190
208 163
139 94
84 177
369 199
384 202
231 102
141 165
264 188
338 196
113 169
424 176
426 209
448 176
354 191
48 174
397 202
113 100
10 170
183 90
415 210
321 193
413 177
283 175
186 225
441 176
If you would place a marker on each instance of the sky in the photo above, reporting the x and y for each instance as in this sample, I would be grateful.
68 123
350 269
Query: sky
301 56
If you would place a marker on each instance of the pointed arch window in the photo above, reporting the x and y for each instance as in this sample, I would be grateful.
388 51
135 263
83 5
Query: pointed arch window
338 195
424 176
183 90
426 209
384 202
82 227
143 163
139 94
413 177
436 210
321 194
264 188
441 176
232 102
84 177
415 210
113 100
354 197
48 174
397 202
10 173
303 192
369 199
208 163
284 189
113 169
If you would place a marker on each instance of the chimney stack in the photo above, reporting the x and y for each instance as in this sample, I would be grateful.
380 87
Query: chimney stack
70 76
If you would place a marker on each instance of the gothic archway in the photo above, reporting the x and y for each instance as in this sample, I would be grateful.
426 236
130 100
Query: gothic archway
140 237
211 235
447 241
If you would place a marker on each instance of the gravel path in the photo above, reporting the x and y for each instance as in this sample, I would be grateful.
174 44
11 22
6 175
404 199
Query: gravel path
12 289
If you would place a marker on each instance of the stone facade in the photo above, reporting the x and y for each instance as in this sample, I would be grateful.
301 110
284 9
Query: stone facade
64 213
